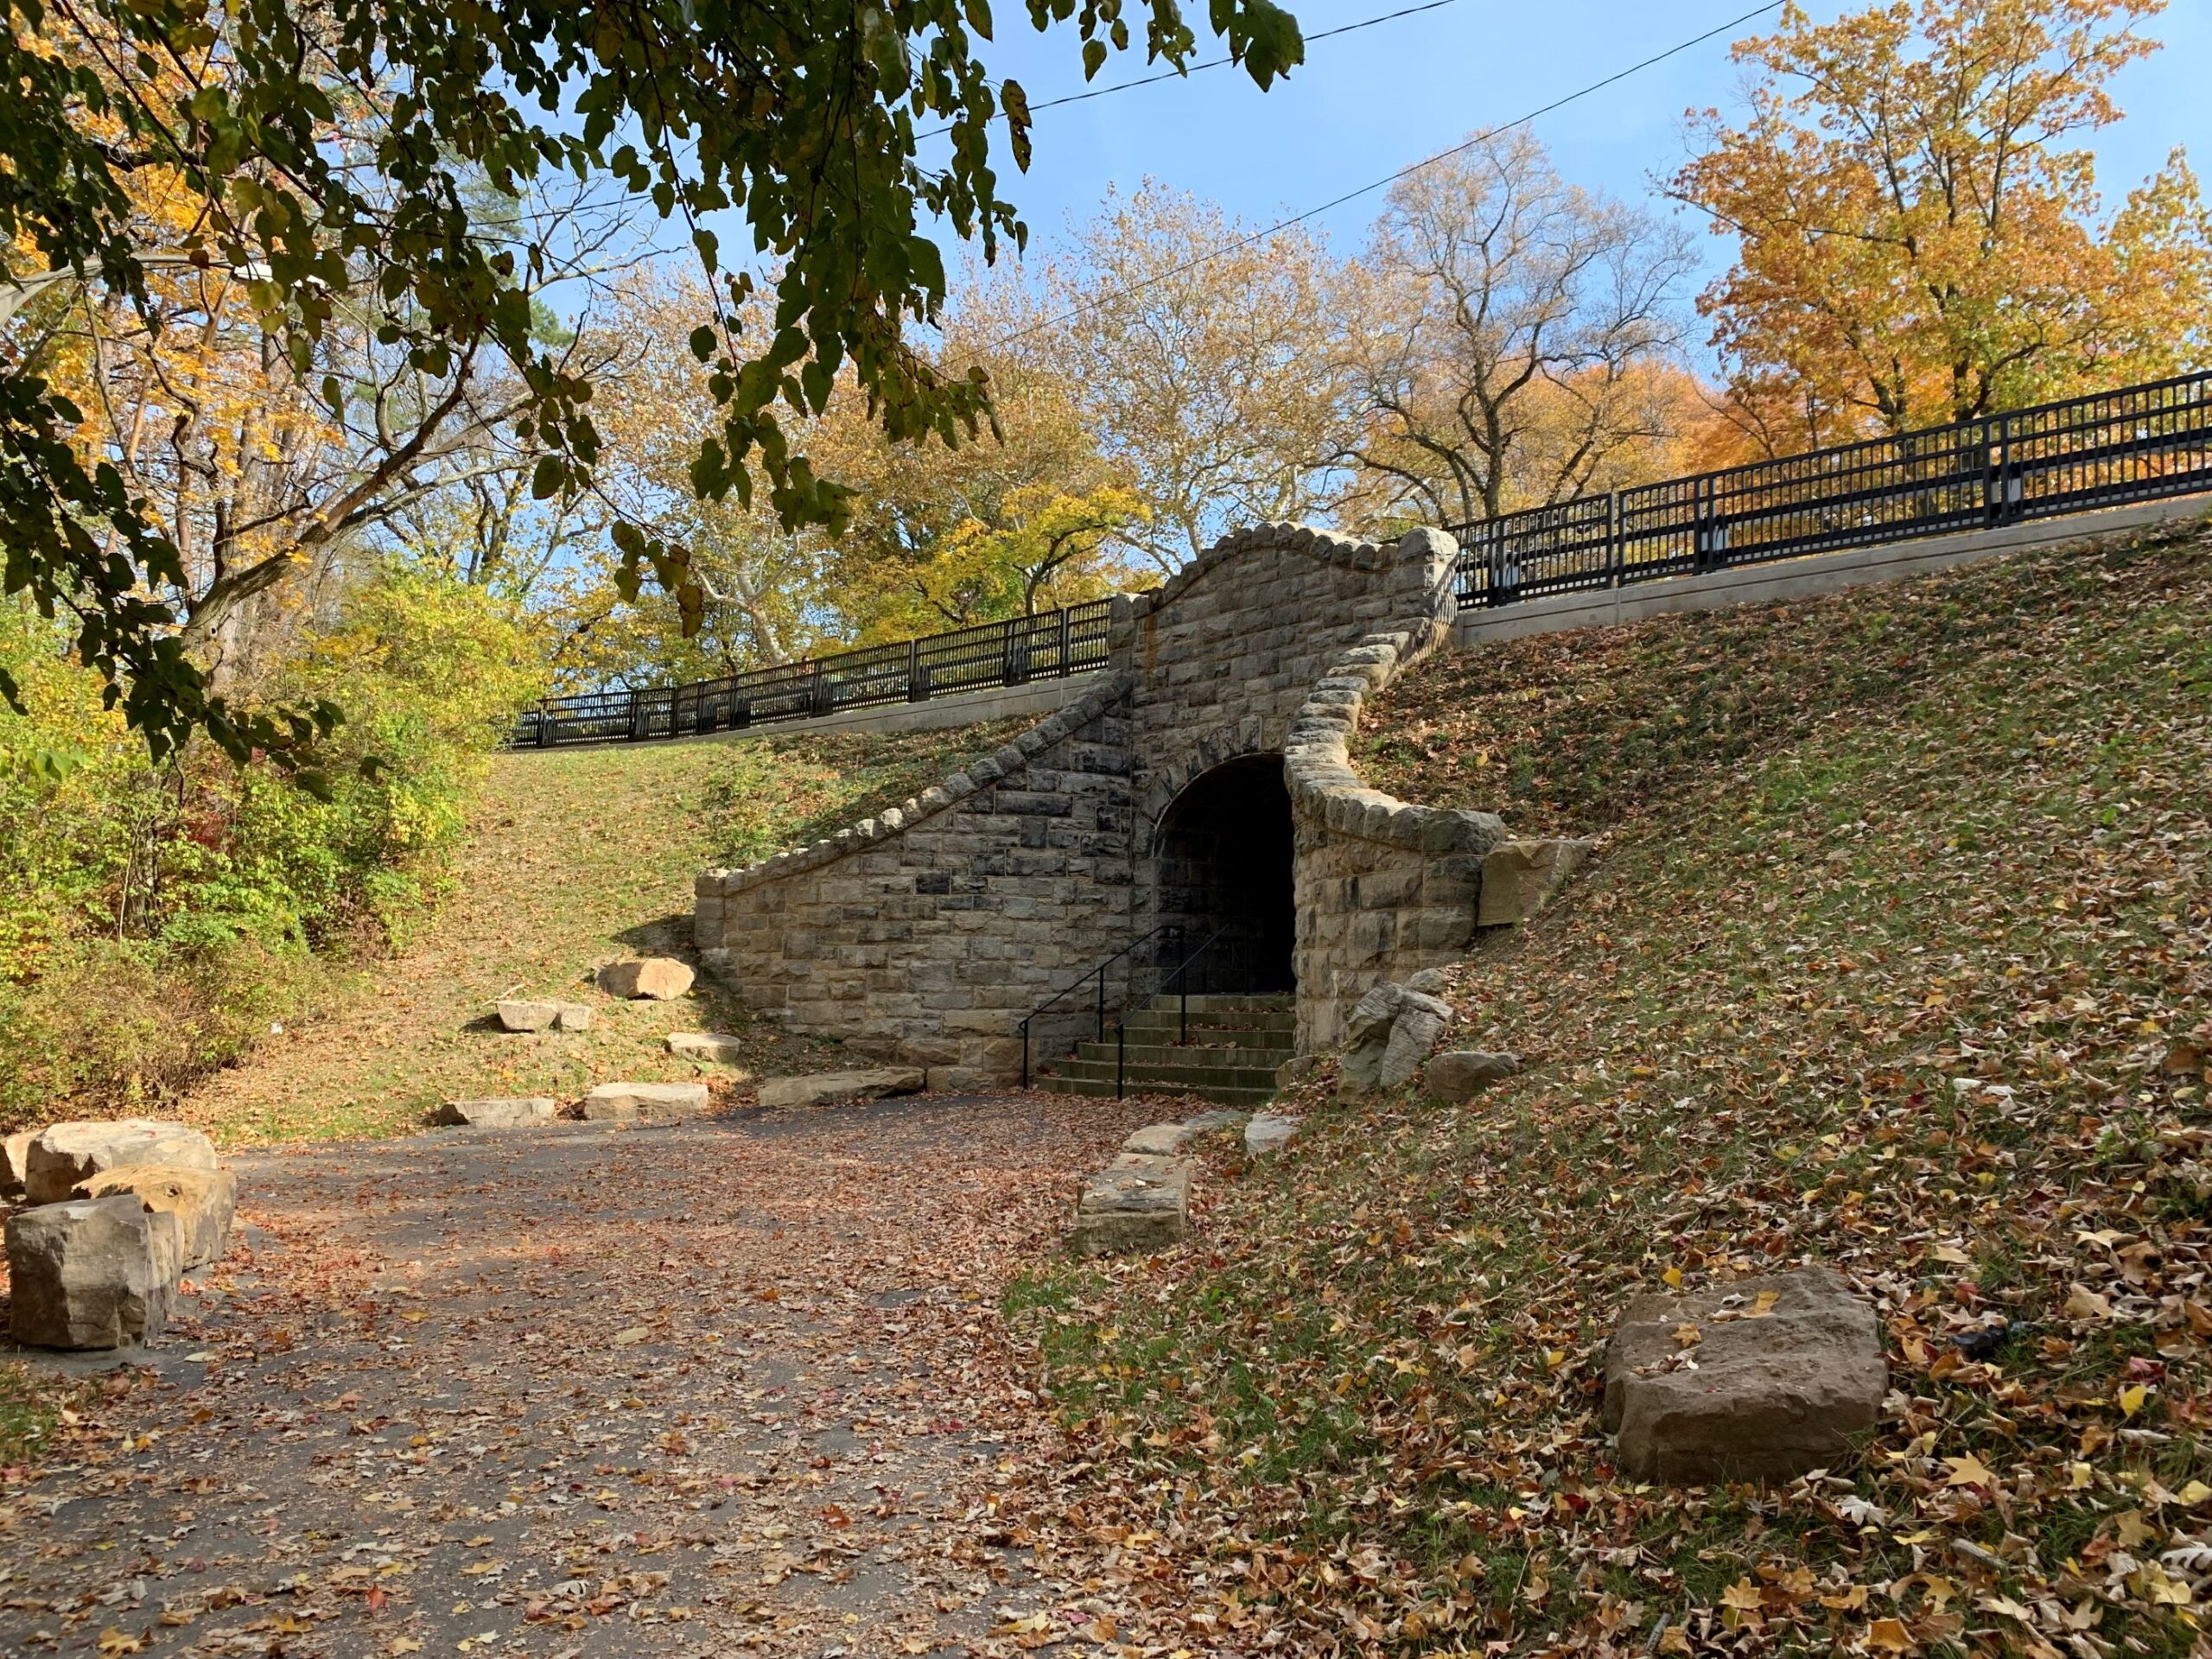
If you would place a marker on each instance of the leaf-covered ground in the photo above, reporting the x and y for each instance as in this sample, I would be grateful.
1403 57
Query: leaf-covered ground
730 1387
1898 958
574 857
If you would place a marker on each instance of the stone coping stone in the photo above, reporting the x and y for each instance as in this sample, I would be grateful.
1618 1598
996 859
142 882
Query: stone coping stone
714 1046
534 1013
87 1273
1519 877
820 1087
1760 1379
659 979
616 1102
517 1113
63 1156
1138 1203
202 1202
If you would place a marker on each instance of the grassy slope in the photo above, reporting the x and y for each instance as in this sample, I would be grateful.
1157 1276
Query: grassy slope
1897 959
577 856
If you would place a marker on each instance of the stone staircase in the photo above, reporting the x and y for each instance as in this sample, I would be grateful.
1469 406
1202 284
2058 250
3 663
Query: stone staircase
1235 1044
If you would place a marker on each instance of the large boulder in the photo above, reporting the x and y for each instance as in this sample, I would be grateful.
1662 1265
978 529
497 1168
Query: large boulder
823 1087
660 978
63 1157
202 1202
613 1102
1140 1204
87 1273
1761 1379
1456 1076
1388 1034
538 1013
1519 877
515 1113
712 1045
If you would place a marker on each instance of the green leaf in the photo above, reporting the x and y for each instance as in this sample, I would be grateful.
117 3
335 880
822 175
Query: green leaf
547 477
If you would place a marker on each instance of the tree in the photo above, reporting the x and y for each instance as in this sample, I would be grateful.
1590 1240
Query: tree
319 149
1919 242
1213 383
1513 340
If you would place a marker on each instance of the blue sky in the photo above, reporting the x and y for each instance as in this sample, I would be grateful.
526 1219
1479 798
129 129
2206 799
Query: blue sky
1368 102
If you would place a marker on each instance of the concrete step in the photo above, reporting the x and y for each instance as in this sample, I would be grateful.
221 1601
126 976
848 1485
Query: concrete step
1186 1054
1213 1094
1251 1002
1141 1078
1271 1025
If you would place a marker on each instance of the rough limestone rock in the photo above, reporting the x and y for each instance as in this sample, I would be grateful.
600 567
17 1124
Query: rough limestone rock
1222 1118
1387 1037
1430 982
1457 1075
1139 1204
659 978
1162 1139
823 1086
202 1201
615 1101
1519 878
1269 1132
531 1014
63 1157
13 1151
521 1113
84 1274
1761 1379
706 1046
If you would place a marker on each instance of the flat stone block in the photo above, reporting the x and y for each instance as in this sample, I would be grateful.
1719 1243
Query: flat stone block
784 1093
507 1114
62 1158
658 978
611 1101
202 1202
86 1273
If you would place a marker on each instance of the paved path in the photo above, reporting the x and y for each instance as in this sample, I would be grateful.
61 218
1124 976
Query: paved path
726 1387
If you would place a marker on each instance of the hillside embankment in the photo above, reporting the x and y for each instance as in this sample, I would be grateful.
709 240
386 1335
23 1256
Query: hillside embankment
1897 957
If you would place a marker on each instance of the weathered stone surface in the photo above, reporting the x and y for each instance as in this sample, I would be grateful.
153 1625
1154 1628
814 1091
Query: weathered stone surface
614 1101
1387 1037
514 1112
659 978
542 1013
1162 1139
13 1151
1519 878
714 1046
820 1087
1430 982
1269 1132
65 1155
1222 1118
84 1274
1761 1379
202 1201
1456 1074
1143 1206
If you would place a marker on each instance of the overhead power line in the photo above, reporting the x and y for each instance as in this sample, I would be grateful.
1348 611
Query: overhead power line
1485 137
1213 63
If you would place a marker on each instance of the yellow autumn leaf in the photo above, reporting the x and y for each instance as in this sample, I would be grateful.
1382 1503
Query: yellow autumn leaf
2130 1398
1968 1471
1673 1277
1890 1636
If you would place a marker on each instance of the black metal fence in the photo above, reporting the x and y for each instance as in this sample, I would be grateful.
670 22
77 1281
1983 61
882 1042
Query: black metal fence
1013 652
2108 449
2105 450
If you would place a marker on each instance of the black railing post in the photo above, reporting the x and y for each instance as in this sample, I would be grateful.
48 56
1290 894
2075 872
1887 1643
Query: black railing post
1121 1055
1025 1053
545 726
1067 655
916 691
1616 543
1101 1002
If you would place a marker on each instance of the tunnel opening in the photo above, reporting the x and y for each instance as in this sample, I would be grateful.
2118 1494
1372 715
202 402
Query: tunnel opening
1225 848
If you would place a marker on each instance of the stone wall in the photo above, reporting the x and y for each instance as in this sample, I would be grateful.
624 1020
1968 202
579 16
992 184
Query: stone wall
927 934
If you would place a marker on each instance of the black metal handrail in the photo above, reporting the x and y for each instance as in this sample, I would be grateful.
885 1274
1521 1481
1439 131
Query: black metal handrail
1051 645
1172 930
2138 443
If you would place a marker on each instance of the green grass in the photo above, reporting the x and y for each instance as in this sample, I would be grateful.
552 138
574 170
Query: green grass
574 857
31 1413
1828 898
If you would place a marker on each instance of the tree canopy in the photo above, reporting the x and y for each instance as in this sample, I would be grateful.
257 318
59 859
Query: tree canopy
330 159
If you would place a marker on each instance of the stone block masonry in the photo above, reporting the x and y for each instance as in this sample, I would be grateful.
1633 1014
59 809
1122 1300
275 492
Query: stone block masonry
926 934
